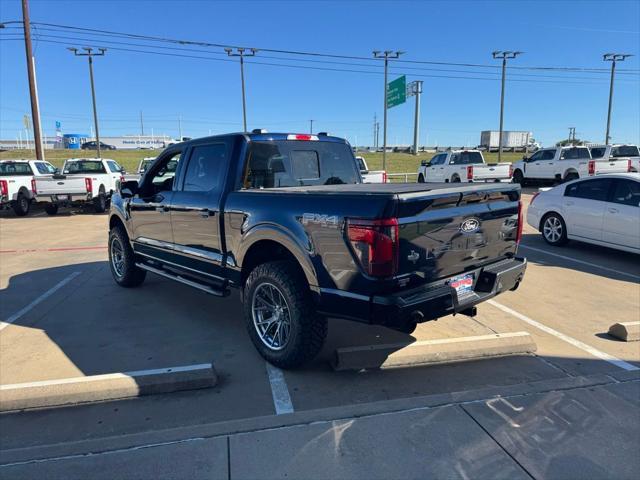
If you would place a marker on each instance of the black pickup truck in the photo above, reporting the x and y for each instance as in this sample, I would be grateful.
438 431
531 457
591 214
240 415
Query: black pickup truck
287 220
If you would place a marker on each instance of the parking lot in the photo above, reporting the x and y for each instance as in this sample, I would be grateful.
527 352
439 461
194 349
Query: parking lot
64 317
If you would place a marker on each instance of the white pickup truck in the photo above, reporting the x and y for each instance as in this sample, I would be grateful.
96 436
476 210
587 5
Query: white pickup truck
562 164
17 183
370 176
82 180
630 153
462 166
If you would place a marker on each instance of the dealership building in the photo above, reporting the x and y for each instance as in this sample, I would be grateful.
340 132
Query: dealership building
75 140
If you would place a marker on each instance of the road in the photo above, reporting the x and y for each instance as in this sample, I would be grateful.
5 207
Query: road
64 317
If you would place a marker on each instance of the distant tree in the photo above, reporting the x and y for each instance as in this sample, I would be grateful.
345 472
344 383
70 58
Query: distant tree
569 142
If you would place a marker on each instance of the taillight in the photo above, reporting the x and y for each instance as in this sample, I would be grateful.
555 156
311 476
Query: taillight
520 222
534 197
121 178
88 184
470 172
375 243
384 174
629 167
592 167
33 186
510 170
4 188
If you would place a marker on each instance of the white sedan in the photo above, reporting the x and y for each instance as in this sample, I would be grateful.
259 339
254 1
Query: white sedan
603 211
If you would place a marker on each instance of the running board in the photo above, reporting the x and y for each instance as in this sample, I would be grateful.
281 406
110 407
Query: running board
178 278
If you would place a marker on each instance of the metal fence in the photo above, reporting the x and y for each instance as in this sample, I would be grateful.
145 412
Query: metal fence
409 177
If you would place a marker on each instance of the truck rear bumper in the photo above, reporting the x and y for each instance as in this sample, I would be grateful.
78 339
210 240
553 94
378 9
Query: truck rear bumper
63 197
427 302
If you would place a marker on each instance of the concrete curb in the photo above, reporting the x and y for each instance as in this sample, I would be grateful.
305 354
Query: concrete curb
248 425
626 331
96 388
446 350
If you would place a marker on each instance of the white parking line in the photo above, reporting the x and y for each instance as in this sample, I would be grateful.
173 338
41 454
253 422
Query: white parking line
575 260
41 298
279 390
576 343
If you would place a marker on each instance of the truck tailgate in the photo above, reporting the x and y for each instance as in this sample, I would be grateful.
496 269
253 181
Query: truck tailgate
618 165
446 233
60 184
496 171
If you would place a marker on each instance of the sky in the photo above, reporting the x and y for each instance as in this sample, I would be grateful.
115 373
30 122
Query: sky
341 95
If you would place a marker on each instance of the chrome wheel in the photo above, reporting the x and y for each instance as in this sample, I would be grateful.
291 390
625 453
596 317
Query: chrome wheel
552 229
117 257
271 317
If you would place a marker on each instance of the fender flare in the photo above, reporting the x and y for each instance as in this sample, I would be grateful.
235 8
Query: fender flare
284 237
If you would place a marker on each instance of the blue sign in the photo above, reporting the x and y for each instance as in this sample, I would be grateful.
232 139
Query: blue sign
58 124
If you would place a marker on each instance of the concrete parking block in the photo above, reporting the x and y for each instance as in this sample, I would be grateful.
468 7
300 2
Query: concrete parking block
445 350
627 331
94 388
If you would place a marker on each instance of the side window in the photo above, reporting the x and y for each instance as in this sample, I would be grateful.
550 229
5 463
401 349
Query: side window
548 155
206 168
161 177
626 192
456 159
596 189
437 160
45 168
536 156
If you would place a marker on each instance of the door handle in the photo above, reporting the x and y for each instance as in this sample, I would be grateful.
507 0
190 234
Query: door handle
613 210
537 164
568 203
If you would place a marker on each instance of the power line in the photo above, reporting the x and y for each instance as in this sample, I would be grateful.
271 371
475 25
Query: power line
296 52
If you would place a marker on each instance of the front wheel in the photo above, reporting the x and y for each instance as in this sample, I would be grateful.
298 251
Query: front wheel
554 230
100 202
421 178
21 205
518 177
51 208
280 316
122 260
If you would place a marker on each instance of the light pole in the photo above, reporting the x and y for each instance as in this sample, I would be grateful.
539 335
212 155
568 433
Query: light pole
242 52
387 54
89 53
310 126
504 56
415 89
613 58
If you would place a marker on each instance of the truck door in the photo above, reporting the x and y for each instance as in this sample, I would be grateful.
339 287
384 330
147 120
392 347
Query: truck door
435 172
151 222
622 214
195 209
533 165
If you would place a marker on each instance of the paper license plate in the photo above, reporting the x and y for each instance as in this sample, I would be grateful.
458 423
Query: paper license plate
463 284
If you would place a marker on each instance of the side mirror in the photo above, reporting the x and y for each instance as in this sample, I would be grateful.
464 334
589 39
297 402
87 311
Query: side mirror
128 189
524 157
424 163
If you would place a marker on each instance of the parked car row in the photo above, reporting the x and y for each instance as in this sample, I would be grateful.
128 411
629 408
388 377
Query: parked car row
82 181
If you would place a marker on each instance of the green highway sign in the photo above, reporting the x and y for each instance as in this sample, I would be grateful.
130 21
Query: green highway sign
397 91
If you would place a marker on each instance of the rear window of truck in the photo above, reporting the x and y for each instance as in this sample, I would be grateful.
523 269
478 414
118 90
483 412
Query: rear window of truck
625 151
292 163
84 166
10 169
466 158
575 153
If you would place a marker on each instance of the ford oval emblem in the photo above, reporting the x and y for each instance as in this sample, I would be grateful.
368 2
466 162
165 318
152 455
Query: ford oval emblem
470 225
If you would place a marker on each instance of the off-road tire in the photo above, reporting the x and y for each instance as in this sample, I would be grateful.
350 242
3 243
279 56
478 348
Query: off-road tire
51 208
100 202
130 276
308 329
21 205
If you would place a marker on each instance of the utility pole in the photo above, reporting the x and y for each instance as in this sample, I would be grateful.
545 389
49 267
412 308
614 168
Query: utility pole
89 53
33 86
387 54
180 127
242 52
377 135
613 58
141 124
415 89
310 126
572 135
504 56
375 121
